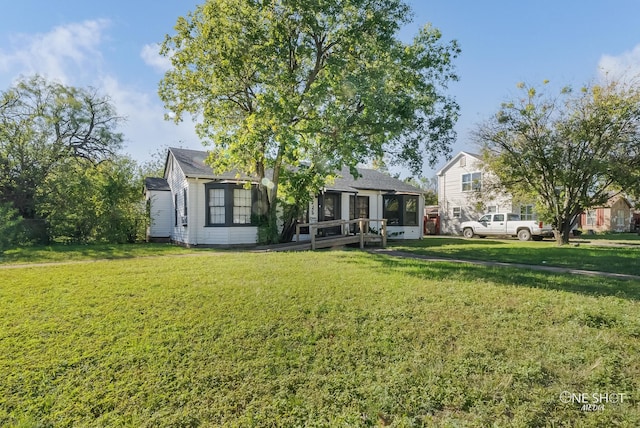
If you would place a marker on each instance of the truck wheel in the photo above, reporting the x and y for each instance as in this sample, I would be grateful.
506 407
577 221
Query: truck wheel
467 233
524 234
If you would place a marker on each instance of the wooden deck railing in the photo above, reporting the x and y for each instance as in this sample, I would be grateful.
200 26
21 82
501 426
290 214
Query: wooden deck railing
363 223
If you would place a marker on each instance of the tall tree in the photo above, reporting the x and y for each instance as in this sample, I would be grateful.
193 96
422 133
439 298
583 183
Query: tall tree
570 152
43 124
277 82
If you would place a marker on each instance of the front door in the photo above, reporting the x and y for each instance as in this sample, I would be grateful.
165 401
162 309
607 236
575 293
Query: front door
358 208
328 210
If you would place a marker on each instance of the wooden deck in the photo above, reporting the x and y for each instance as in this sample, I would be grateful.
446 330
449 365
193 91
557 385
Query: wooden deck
364 234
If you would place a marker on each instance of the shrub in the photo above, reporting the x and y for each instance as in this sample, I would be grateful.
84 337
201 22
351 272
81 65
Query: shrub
10 227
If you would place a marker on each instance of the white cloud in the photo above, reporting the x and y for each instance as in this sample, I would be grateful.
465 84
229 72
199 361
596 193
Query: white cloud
145 129
59 54
150 54
621 67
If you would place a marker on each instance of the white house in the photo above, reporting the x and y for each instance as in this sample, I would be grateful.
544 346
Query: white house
462 195
199 207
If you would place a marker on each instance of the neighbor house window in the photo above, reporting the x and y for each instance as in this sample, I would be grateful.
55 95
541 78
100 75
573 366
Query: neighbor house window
472 181
216 206
492 209
400 210
620 219
526 212
591 217
457 212
241 206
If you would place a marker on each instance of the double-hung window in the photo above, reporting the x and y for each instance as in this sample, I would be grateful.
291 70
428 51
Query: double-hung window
230 204
216 206
472 182
241 206
526 212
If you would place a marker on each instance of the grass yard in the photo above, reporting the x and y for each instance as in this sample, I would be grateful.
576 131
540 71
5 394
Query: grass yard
588 255
67 253
340 338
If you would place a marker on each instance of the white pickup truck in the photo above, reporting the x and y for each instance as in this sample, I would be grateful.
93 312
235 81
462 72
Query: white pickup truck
506 224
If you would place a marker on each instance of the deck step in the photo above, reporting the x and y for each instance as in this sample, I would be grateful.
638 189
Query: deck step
327 242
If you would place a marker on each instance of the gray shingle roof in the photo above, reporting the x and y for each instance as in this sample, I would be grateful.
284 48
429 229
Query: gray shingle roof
155 183
371 179
192 163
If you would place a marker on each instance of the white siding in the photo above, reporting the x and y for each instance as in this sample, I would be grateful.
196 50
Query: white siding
450 194
228 235
177 182
214 235
160 212
196 232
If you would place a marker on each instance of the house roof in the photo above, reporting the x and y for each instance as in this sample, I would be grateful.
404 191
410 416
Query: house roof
370 179
615 197
455 159
155 183
192 163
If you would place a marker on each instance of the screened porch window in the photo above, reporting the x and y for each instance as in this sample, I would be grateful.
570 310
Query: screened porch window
401 210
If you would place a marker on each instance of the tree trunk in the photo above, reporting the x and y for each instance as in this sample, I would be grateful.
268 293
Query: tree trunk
563 232
272 234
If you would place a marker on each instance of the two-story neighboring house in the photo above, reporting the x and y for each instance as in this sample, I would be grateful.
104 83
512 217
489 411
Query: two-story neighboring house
463 194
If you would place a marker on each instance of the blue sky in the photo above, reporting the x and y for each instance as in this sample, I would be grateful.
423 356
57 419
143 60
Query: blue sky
113 46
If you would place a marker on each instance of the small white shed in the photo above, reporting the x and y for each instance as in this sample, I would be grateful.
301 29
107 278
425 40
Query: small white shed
159 208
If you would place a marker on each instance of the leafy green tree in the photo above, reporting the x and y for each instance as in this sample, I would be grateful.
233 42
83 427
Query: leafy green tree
277 82
430 187
86 202
10 227
43 124
569 152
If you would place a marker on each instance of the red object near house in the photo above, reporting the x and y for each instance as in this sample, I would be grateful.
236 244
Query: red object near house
431 224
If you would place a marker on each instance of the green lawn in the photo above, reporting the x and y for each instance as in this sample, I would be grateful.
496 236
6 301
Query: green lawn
340 338
587 255
625 238
65 253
